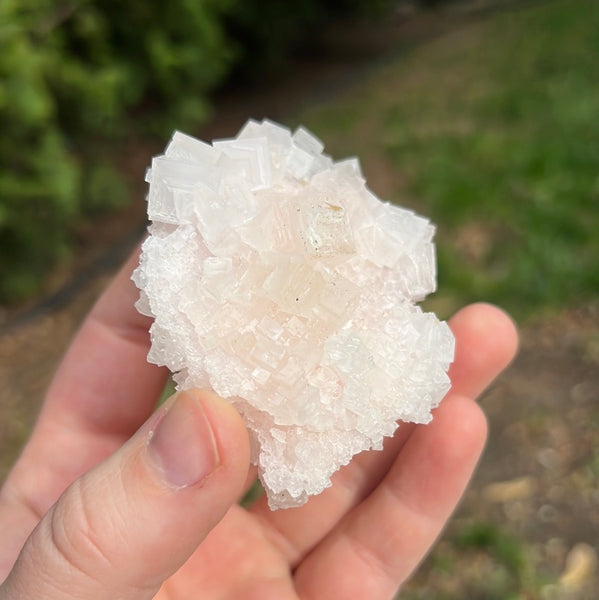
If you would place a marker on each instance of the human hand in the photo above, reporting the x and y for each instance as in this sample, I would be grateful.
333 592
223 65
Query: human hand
111 501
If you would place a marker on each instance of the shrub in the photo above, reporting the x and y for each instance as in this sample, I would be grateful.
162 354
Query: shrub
70 74
77 75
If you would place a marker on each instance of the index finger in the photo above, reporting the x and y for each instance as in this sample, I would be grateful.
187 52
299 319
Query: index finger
102 392
486 342
105 384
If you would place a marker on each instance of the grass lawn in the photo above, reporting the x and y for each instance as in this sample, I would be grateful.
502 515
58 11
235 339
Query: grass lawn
493 132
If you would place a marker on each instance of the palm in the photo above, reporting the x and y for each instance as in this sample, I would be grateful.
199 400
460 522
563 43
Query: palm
358 539
239 552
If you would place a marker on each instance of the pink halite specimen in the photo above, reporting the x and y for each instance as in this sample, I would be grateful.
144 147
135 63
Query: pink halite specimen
277 279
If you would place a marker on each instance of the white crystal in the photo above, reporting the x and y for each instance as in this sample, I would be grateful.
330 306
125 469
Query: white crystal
277 279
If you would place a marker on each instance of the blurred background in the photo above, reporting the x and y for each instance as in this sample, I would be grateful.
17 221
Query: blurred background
481 114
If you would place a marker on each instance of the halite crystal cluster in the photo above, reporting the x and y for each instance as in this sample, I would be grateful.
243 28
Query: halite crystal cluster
277 279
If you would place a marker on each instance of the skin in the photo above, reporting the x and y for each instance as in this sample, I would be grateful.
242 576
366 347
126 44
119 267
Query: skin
85 513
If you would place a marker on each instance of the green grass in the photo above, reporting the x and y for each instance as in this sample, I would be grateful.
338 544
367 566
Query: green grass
501 546
479 561
493 132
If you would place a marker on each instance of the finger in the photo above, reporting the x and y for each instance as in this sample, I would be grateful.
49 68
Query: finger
105 383
486 341
377 545
103 391
127 525
296 530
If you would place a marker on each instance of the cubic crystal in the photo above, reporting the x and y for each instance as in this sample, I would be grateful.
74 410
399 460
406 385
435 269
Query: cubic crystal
278 280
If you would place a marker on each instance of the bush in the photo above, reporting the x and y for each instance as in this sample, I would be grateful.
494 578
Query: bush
70 74
78 75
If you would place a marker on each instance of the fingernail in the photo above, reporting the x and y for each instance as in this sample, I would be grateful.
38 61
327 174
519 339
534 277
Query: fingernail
182 446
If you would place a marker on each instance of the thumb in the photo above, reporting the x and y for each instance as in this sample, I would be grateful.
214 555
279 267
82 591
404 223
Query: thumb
123 528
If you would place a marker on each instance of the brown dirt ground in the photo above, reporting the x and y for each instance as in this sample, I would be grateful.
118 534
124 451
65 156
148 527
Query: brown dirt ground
539 478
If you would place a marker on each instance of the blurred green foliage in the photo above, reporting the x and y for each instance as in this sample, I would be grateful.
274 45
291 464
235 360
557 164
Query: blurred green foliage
71 73
77 76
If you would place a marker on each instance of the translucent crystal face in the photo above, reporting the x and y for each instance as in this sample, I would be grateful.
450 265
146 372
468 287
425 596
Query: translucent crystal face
277 279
